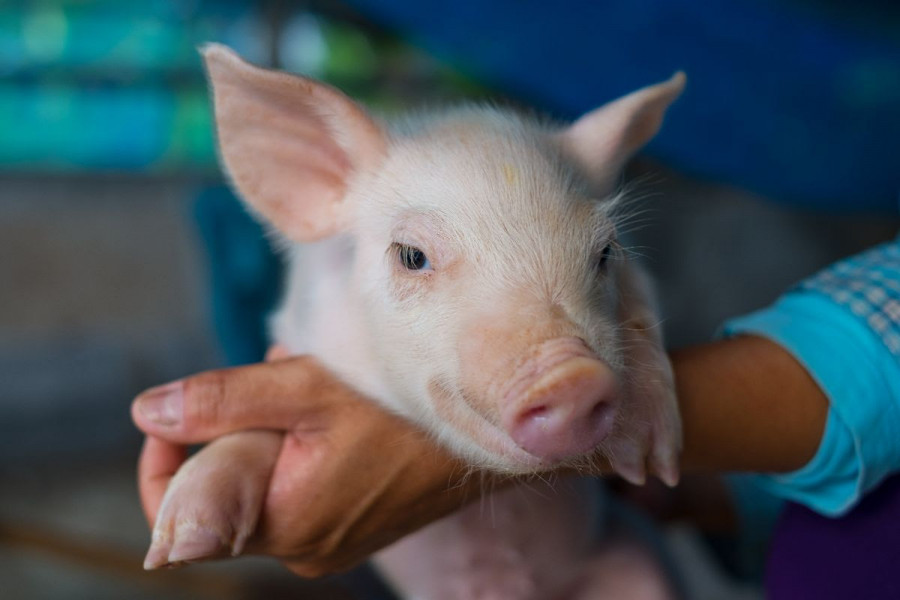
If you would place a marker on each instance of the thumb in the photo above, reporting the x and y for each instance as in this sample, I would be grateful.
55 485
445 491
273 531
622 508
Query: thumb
274 395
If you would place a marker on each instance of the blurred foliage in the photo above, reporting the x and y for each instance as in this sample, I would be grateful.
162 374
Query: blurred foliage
111 85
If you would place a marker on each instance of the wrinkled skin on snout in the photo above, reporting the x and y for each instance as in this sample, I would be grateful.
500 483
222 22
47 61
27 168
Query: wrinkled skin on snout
465 270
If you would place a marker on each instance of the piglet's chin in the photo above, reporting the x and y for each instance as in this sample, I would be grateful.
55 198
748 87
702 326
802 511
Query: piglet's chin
563 406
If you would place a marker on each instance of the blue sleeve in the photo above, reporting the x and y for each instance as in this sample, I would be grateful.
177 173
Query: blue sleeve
843 326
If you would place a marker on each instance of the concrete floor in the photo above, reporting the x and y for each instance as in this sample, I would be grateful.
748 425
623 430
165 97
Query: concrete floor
104 294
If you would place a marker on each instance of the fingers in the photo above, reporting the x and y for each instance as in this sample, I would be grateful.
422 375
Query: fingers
157 465
272 395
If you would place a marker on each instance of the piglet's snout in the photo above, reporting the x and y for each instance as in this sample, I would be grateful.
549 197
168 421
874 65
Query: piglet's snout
563 403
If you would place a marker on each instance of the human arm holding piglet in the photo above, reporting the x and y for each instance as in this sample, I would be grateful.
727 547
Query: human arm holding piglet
352 478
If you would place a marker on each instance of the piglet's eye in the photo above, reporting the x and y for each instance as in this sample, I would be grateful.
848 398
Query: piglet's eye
412 258
604 256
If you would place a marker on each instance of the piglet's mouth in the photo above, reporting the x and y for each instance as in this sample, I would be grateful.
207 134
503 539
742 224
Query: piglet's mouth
486 445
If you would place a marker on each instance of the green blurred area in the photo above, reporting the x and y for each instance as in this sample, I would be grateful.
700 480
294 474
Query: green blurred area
104 85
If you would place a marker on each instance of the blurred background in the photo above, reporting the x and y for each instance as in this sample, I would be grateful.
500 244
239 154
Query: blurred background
125 262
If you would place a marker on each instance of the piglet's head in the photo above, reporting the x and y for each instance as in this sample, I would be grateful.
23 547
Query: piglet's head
484 253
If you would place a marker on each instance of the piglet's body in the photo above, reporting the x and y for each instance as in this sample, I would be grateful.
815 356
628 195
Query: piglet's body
463 270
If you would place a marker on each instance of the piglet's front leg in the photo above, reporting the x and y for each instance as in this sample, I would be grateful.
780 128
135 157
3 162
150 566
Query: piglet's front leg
212 505
649 433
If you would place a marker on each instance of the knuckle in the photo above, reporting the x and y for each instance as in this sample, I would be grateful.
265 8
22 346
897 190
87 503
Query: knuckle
204 398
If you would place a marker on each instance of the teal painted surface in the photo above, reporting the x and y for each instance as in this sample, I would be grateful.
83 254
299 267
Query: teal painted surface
118 86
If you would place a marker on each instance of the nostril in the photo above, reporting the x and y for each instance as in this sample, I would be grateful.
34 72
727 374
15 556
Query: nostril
535 412
599 421
601 411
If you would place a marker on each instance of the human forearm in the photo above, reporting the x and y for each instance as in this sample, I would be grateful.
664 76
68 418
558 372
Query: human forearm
747 405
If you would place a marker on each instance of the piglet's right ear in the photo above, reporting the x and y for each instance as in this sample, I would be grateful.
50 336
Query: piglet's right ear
289 143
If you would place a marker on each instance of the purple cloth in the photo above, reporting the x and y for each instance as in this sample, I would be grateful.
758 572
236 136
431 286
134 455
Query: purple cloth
855 556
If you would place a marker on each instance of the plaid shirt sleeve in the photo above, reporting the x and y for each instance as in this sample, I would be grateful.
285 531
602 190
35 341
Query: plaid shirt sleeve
868 285
843 325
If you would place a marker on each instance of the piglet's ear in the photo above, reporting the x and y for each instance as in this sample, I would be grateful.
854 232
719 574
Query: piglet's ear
604 139
289 143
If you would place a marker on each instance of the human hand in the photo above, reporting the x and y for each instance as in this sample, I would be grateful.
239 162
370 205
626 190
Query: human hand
349 479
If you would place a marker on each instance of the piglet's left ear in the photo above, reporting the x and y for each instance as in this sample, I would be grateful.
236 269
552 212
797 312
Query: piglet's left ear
604 139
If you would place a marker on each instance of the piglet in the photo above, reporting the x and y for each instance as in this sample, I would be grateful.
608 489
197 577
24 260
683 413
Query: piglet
462 268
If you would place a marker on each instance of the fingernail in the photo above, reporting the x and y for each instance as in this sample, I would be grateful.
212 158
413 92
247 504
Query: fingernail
163 405
195 544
